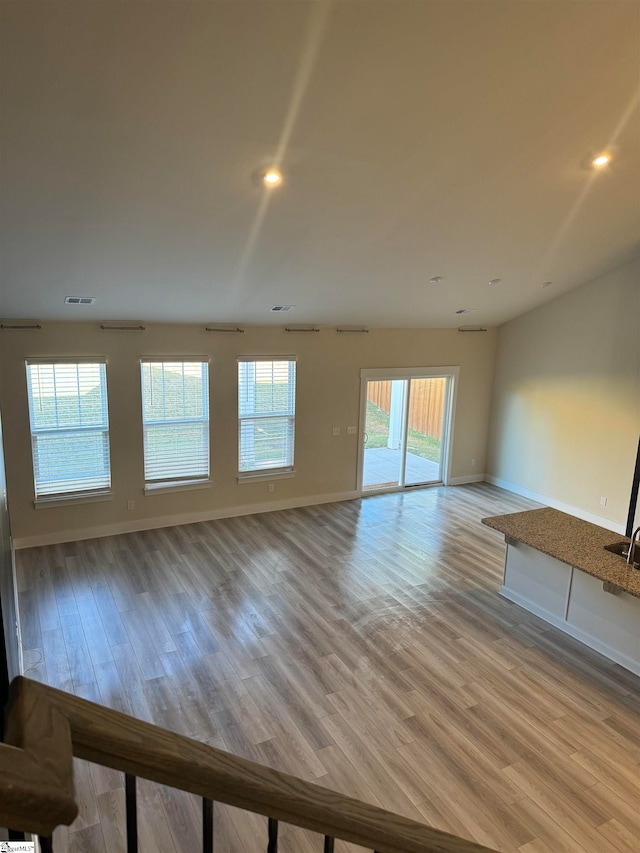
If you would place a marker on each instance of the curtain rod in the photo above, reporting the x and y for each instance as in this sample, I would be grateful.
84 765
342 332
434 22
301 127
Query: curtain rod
6 327
122 328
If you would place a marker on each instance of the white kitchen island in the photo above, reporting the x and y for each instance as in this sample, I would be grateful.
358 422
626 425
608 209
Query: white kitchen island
556 566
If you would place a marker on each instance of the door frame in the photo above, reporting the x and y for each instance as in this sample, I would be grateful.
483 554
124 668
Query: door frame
450 372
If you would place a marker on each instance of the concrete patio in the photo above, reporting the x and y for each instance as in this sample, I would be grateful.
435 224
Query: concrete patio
382 468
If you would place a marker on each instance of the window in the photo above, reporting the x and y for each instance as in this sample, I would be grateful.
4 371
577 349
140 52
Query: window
69 427
266 414
175 417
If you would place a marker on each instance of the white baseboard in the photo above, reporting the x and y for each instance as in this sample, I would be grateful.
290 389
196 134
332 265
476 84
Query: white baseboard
577 511
466 478
58 536
577 633
532 607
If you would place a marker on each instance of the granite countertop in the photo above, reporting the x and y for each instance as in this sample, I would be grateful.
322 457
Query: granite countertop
570 540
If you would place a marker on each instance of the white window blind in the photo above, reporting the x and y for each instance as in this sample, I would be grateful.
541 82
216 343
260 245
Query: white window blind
69 426
175 415
266 413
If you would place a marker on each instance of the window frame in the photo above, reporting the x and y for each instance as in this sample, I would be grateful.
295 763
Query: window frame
70 496
279 471
181 482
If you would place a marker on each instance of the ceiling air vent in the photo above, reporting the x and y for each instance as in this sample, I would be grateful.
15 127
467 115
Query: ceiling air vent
282 308
79 300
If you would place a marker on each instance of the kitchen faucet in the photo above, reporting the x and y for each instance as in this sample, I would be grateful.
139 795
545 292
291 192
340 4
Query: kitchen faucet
632 545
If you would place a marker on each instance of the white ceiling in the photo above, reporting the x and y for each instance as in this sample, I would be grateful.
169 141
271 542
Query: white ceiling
416 139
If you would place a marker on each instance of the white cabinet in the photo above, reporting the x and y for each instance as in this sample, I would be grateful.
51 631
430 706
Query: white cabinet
538 578
575 602
611 619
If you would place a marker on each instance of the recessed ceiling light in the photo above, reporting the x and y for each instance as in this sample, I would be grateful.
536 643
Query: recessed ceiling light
601 160
546 284
272 178
436 279
495 281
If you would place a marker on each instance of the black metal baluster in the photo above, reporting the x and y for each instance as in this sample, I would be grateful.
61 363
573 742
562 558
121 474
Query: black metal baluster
132 812
328 844
46 845
207 825
272 847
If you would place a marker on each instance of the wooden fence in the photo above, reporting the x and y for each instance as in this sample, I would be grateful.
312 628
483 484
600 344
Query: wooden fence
426 403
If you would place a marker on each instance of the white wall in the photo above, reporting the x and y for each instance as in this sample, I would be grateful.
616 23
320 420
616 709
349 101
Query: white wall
566 400
328 389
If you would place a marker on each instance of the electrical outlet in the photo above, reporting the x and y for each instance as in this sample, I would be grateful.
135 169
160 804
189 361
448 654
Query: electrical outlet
131 504
352 430
473 461
271 487
603 500
336 430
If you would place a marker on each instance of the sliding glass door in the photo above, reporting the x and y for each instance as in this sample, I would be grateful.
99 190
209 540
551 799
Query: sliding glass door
405 436
425 428
383 435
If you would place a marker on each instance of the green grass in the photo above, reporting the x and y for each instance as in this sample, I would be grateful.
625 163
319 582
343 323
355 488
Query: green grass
69 411
267 443
377 428
170 395
378 433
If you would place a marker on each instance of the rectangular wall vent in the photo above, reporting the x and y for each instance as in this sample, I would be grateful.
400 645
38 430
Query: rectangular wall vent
282 308
79 300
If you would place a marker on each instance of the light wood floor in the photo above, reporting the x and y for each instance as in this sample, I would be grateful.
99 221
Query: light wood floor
359 645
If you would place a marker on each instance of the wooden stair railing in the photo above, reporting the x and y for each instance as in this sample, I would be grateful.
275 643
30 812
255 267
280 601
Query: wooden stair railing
46 728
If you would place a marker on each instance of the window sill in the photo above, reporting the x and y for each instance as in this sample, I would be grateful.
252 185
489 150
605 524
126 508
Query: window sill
72 500
258 476
180 486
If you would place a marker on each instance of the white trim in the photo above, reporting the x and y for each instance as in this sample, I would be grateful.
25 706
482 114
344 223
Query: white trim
262 475
432 372
388 490
466 478
568 628
66 359
266 358
450 372
161 488
577 511
58 536
72 500
175 359
536 609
